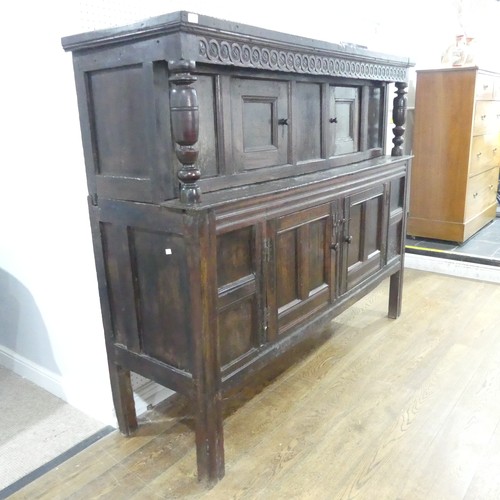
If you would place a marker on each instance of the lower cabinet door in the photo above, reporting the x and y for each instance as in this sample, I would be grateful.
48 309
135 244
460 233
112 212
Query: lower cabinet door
364 235
300 271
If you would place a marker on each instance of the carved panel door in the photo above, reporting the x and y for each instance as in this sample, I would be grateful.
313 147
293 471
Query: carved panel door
260 123
364 235
344 120
301 274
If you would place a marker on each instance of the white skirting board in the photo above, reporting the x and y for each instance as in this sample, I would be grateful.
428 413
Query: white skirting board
146 392
453 267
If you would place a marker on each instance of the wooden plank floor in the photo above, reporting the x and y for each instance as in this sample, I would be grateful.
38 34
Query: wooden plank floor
383 409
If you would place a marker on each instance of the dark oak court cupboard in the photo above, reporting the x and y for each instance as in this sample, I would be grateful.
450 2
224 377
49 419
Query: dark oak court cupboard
240 197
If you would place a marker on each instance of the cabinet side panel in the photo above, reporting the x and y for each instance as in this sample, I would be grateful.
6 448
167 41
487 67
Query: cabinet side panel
396 218
117 97
441 139
162 295
120 287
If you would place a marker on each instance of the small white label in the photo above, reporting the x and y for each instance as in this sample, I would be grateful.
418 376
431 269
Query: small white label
168 251
192 18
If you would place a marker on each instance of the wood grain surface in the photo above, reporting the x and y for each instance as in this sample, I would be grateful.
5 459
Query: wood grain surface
381 409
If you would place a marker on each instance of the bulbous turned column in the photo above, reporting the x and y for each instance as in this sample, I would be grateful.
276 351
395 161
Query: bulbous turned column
184 115
399 118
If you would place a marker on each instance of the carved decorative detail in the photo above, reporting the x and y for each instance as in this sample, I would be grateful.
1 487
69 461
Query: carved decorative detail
262 57
185 125
399 118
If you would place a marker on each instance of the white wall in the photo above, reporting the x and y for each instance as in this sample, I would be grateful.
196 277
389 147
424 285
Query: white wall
50 325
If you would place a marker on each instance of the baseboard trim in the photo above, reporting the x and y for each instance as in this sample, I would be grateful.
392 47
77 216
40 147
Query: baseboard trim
147 395
50 381
458 268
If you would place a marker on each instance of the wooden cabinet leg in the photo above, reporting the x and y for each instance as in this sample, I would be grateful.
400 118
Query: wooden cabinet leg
209 438
395 294
123 399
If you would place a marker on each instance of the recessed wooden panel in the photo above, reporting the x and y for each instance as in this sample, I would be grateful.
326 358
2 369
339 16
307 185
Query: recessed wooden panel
120 279
375 107
316 253
259 110
344 110
366 234
397 194
355 230
162 295
394 240
373 213
258 124
303 266
287 259
235 257
307 121
207 139
237 329
119 112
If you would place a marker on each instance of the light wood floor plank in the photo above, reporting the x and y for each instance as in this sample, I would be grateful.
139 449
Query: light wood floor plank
384 409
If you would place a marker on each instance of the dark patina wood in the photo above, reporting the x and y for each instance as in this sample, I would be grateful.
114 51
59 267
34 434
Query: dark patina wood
286 213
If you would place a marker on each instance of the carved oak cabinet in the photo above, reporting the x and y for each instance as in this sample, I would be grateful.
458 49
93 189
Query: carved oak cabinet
240 198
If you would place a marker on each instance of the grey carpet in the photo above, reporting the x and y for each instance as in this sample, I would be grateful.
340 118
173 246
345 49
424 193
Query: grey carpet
35 427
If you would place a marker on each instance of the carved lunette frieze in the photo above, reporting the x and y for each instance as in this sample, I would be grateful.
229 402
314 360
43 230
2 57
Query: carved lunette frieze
259 56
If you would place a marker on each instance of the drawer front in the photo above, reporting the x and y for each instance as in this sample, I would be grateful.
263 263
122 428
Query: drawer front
485 85
485 153
496 88
481 192
486 117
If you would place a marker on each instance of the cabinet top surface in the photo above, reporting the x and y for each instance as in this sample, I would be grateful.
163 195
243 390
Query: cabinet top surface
224 42
463 69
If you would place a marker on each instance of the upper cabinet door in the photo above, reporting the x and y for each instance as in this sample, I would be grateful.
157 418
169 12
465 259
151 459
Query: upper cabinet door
260 118
344 120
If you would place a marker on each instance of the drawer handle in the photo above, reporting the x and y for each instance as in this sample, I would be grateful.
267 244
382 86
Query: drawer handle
483 117
491 186
494 150
283 121
333 120
475 195
485 86
479 154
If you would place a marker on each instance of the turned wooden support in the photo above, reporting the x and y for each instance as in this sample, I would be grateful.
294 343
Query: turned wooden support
399 118
185 124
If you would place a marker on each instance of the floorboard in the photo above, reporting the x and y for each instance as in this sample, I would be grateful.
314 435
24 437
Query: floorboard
385 409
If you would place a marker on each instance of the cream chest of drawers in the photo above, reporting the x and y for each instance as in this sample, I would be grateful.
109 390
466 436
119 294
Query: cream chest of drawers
457 153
